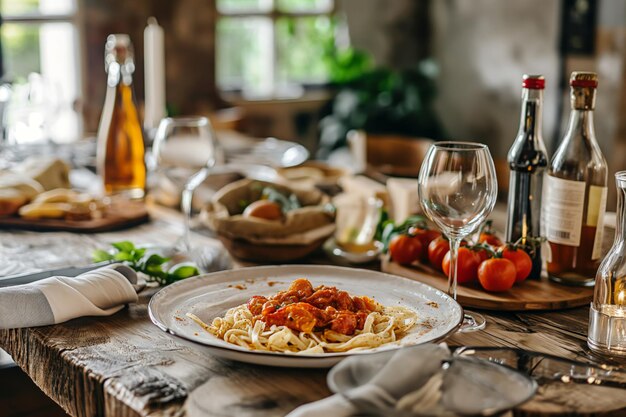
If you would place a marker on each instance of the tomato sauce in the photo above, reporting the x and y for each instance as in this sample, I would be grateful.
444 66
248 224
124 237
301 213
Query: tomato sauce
304 308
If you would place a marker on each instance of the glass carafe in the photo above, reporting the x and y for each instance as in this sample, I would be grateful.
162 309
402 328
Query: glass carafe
607 316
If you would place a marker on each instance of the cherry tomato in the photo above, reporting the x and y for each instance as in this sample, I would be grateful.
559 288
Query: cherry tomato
521 260
437 249
488 236
467 269
482 254
425 236
497 274
490 239
405 249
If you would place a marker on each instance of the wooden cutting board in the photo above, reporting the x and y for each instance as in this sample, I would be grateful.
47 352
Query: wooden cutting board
530 295
120 215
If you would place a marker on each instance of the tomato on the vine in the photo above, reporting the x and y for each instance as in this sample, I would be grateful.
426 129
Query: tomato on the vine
405 249
520 259
497 274
467 265
488 236
437 249
425 236
482 253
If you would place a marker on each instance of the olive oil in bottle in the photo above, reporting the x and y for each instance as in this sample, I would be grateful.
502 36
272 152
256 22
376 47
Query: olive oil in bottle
120 153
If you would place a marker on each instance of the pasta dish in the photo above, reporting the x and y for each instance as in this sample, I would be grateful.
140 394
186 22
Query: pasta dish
304 319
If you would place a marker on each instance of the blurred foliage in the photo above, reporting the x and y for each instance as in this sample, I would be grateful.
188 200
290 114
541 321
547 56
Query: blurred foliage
345 65
16 7
301 43
383 101
20 49
226 6
303 5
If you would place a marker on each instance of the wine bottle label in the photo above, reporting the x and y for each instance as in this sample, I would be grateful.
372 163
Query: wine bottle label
564 203
595 217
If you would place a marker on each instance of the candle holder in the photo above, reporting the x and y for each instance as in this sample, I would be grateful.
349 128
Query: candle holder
607 316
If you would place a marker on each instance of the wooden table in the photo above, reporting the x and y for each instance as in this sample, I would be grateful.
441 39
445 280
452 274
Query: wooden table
123 365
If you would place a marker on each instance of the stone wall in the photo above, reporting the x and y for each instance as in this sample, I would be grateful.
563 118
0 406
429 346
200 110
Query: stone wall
483 48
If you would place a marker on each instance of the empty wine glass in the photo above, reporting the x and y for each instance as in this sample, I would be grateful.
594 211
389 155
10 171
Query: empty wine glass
184 151
457 189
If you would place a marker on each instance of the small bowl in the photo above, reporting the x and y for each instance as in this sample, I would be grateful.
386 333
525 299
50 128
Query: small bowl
298 233
341 256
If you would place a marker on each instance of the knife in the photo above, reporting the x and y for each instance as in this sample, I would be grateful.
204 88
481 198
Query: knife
71 271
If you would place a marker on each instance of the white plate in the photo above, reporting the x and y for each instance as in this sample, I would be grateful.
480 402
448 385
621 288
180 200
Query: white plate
271 151
209 296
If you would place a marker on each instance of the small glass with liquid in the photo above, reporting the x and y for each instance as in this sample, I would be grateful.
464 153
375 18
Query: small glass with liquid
356 219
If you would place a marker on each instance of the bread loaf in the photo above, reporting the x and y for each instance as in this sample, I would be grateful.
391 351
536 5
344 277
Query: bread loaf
45 210
48 171
11 199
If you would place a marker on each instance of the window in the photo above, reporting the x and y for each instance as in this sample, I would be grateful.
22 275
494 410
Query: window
40 60
270 48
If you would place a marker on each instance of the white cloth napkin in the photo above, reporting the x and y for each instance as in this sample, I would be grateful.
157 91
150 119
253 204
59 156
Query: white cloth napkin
407 379
53 300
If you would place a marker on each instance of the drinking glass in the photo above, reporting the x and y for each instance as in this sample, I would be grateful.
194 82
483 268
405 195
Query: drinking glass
457 189
356 220
184 151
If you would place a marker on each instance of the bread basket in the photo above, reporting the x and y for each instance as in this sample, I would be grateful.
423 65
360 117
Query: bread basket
300 232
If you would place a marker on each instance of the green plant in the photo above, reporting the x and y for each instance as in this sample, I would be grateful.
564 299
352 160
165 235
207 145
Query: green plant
383 101
150 264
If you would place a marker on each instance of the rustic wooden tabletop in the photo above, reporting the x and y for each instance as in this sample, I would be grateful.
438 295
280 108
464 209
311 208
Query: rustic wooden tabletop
123 365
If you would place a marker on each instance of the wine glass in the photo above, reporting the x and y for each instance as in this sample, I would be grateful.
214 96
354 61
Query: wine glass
184 151
457 189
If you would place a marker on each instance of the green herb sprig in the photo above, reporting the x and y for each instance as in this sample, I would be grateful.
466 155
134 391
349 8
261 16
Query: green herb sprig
150 264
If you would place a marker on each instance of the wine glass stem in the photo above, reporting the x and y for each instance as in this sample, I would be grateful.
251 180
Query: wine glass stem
186 200
455 243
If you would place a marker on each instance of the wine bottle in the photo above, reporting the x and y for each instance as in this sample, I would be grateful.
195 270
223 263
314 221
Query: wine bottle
120 151
528 161
575 192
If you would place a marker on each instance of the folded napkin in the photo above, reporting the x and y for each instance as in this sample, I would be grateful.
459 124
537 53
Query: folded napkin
379 381
53 300
418 381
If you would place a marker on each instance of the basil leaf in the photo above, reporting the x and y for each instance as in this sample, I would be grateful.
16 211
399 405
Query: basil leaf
123 256
124 246
183 271
100 256
155 260
138 254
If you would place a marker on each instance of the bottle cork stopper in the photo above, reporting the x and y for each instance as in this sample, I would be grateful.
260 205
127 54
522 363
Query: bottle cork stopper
584 79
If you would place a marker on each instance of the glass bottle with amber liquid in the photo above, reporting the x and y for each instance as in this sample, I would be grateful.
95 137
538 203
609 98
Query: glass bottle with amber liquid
575 192
120 154
528 162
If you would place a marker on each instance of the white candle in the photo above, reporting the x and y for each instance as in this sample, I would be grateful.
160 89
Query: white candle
154 72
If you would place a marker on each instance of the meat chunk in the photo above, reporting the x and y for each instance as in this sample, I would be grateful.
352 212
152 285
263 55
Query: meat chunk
302 287
255 304
302 317
344 322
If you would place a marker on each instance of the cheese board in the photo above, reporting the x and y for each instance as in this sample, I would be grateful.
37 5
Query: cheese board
531 294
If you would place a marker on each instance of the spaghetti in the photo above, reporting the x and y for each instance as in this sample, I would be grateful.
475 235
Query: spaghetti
305 320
